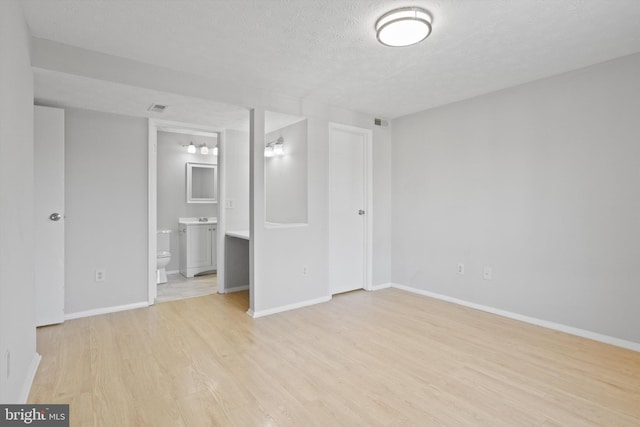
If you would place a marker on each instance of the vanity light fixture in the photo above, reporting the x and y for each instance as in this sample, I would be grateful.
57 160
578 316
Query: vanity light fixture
204 149
278 149
403 27
274 148
268 151
215 150
191 149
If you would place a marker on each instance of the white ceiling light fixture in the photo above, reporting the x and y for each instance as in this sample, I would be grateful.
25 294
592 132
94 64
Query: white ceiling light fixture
403 27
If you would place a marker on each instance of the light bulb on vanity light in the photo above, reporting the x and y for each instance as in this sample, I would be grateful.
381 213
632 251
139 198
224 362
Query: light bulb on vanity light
191 149
268 151
215 150
204 149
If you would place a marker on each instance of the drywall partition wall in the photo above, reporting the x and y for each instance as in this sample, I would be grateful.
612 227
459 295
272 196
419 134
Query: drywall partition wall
539 183
18 358
286 176
172 202
280 255
106 210
233 258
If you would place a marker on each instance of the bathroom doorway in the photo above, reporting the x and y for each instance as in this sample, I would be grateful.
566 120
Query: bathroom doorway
202 234
183 210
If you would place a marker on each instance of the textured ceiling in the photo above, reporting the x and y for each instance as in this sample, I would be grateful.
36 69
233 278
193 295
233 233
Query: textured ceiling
326 50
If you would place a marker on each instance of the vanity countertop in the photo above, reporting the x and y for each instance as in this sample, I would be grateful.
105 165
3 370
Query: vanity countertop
196 221
240 234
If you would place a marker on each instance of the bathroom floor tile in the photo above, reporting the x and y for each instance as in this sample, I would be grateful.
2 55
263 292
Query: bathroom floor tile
179 287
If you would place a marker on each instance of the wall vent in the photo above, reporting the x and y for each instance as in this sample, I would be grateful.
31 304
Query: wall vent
380 122
157 108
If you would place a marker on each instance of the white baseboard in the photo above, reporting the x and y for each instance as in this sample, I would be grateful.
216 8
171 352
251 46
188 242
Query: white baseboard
105 310
173 271
267 312
630 345
28 381
381 286
236 289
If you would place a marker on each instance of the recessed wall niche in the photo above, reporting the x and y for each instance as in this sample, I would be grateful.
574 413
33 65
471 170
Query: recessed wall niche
286 170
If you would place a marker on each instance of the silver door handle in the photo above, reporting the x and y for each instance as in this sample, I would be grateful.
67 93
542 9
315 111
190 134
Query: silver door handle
55 216
360 212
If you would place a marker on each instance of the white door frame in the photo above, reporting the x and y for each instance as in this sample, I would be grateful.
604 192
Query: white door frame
165 125
368 197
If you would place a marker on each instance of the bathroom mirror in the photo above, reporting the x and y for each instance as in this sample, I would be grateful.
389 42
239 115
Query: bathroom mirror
202 183
285 168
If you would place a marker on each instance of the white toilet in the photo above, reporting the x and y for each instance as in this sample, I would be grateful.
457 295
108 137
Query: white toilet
163 255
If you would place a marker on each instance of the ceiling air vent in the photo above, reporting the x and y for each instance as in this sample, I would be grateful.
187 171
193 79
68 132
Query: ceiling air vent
380 122
157 108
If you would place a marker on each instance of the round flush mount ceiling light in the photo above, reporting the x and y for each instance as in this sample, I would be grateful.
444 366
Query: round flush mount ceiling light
403 27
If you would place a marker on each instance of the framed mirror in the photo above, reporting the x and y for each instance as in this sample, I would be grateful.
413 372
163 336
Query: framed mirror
202 183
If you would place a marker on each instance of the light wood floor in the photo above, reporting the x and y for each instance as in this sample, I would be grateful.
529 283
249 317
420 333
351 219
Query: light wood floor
385 358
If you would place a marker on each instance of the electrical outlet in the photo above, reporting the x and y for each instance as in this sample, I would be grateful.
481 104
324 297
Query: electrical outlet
101 275
305 270
487 273
460 268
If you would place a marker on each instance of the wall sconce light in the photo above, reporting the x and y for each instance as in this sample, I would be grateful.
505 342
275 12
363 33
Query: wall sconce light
274 148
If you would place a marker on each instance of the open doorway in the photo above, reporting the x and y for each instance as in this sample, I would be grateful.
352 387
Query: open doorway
189 207
183 210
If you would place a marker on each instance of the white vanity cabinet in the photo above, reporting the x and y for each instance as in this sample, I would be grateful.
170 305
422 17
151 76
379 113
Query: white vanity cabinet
197 247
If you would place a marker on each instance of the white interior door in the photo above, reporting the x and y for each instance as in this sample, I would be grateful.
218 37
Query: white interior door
49 215
348 148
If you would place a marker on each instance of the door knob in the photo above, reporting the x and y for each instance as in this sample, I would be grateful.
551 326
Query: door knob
360 212
55 216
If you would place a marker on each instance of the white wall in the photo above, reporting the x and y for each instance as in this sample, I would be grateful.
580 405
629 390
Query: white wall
286 196
172 202
280 253
17 324
381 269
237 179
106 209
539 182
